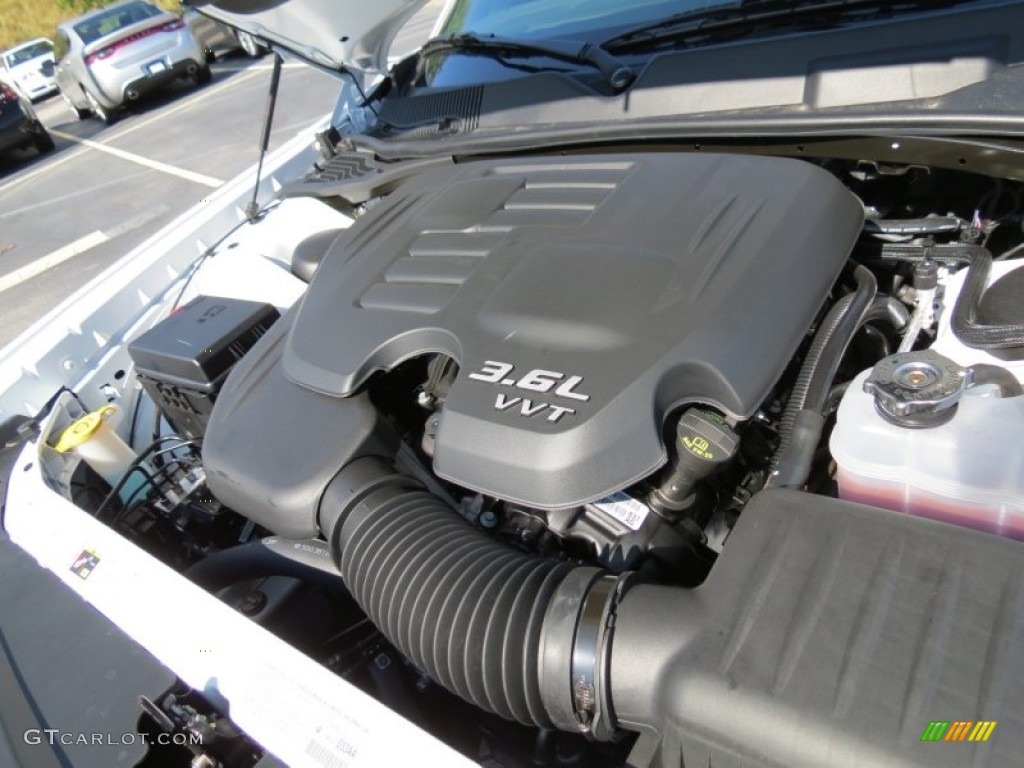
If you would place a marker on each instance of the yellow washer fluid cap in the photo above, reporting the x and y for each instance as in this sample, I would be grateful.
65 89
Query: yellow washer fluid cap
84 428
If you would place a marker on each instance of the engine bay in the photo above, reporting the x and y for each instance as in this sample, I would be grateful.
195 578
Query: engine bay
547 305
519 390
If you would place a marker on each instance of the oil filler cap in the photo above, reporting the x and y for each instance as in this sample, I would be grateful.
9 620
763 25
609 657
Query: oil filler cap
917 390
704 442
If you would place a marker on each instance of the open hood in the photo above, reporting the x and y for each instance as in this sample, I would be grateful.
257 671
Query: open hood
336 34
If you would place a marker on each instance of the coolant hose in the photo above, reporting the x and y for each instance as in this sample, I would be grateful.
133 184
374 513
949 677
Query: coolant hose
965 314
308 560
803 420
503 629
889 310
931 225
1006 383
944 253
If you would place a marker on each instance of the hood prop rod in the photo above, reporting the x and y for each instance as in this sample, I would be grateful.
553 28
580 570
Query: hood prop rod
252 211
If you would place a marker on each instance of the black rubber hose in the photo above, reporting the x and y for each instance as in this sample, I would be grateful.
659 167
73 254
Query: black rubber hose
944 253
932 225
888 310
308 560
803 420
884 310
464 607
965 314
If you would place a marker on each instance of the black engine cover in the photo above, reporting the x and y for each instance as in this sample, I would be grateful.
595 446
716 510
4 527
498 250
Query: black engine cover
583 298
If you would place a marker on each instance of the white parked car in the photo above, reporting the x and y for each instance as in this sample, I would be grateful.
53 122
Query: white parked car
616 384
28 68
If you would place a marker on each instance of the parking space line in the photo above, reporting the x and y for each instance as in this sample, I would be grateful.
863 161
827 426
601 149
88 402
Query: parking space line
79 246
156 165
71 155
207 92
11 213
51 260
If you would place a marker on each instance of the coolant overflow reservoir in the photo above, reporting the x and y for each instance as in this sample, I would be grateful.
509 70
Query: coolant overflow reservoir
959 459
930 436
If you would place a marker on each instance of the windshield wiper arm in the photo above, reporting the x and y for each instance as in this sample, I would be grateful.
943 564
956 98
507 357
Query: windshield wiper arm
744 18
617 74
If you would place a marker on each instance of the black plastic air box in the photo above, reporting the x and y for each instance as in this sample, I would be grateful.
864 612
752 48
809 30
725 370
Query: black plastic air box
183 361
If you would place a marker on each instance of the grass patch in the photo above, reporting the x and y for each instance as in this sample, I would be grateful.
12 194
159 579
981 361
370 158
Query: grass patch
22 20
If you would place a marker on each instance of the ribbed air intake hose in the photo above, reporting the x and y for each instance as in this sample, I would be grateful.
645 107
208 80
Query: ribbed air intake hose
483 619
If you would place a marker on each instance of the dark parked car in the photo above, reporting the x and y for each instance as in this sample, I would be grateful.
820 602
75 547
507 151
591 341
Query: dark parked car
112 56
19 126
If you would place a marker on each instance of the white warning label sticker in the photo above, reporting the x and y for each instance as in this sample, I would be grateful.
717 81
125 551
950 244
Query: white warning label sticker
624 508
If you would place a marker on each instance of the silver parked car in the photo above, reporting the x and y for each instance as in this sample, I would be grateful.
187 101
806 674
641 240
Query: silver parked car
217 38
111 56
28 68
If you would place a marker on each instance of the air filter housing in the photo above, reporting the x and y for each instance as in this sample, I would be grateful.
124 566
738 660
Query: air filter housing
183 361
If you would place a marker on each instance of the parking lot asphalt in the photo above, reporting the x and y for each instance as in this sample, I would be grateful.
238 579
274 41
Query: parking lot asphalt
67 215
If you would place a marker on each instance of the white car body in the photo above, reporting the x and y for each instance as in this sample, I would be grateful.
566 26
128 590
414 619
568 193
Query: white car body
80 344
28 76
76 360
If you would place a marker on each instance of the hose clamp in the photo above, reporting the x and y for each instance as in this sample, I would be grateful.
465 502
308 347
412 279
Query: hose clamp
590 656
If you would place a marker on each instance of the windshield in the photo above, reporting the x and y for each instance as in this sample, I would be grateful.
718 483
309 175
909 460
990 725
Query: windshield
541 19
29 52
536 21
102 24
